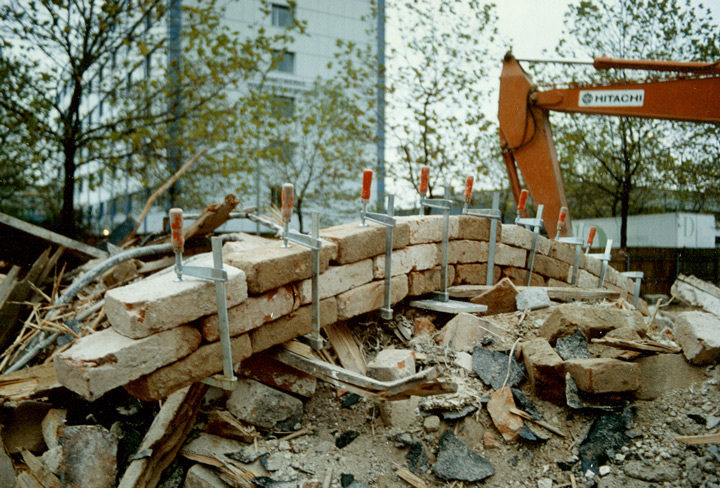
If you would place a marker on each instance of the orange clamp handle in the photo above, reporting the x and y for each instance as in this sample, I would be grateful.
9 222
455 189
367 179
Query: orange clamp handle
523 201
366 184
176 229
562 217
288 195
468 188
591 235
424 180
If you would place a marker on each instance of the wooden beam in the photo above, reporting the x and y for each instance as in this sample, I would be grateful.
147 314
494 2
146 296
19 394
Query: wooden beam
560 293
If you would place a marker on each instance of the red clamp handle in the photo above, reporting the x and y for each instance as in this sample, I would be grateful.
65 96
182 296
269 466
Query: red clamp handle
424 180
468 188
366 185
522 201
562 218
591 236
288 195
176 229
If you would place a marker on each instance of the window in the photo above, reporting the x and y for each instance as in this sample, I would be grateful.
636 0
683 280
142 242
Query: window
282 16
285 61
283 107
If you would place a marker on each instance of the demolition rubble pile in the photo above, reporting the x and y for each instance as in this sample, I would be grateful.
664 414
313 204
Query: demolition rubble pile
552 386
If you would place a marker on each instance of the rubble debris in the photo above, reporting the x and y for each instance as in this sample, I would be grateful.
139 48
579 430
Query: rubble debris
392 364
199 476
417 459
346 438
266 369
500 409
223 424
592 321
458 414
346 347
545 369
456 461
264 407
89 456
497 369
499 299
607 433
523 401
7 469
697 292
698 333
532 299
22 428
651 472
465 331
602 375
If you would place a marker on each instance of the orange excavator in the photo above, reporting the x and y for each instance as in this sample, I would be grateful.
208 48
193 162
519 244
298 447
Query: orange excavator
526 135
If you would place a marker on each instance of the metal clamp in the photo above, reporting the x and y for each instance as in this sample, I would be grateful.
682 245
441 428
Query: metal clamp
488 213
530 223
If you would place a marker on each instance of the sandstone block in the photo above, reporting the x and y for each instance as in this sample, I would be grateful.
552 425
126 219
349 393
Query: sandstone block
499 299
510 256
294 324
518 276
474 274
97 363
204 362
550 267
464 331
338 279
422 282
272 266
423 229
264 407
592 321
591 264
369 297
544 245
472 228
585 279
466 251
663 373
355 243
266 369
562 251
411 258
252 313
517 236
698 333
392 364
601 375
545 370
159 303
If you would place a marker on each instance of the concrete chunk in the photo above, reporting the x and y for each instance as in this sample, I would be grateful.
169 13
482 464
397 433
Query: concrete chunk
464 331
369 297
392 364
602 375
532 299
97 363
355 243
698 333
264 407
160 303
592 321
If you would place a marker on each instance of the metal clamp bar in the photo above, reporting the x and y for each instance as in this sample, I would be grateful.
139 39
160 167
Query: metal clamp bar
386 311
382 219
536 224
212 274
638 277
494 215
304 240
605 258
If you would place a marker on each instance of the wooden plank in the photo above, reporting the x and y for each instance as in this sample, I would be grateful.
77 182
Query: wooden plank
541 423
644 346
346 347
560 293
29 382
223 424
39 471
697 440
7 285
51 236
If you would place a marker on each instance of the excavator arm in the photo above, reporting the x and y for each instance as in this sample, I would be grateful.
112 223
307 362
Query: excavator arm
526 135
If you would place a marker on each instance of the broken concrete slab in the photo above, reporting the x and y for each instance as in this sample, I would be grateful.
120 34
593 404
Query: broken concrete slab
272 266
499 408
198 365
592 321
369 297
264 407
456 461
492 368
603 375
545 369
428 281
465 331
663 373
698 333
499 299
392 364
252 313
159 303
89 456
97 363
532 298
337 279
355 243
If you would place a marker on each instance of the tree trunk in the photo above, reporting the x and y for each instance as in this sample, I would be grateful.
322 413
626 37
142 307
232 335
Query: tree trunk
67 212
298 207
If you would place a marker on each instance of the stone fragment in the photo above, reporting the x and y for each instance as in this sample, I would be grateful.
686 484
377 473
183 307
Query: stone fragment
369 297
545 483
52 426
509 424
292 325
518 276
573 346
592 321
266 369
97 363
465 331
120 273
490 441
198 365
663 373
545 369
532 298
456 461
431 423
7 469
464 251
607 434
551 268
89 456
517 236
510 256
392 364
423 326
602 375
499 299
272 266
355 243
160 303
264 407
698 293
492 368
651 472
412 258
346 438
474 274
423 282
416 456
22 428
338 279
252 313
698 333
52 460
199 476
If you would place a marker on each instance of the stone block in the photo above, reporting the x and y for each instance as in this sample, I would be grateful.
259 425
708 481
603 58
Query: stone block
464 331
264 407
423 229
338 279
271 266
552 282
369 297
411 258
159 303
466 251
545 369
592 321
543 245
422 282
392 364
551 268
293 325
698 333
518 276
510 256
499 299
355 243
97 363
204 362
585 279
517 236
664 373
199 476
252 313
562 251
602 375
89 456
474 274
266 369
532 298
472 228
591 264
